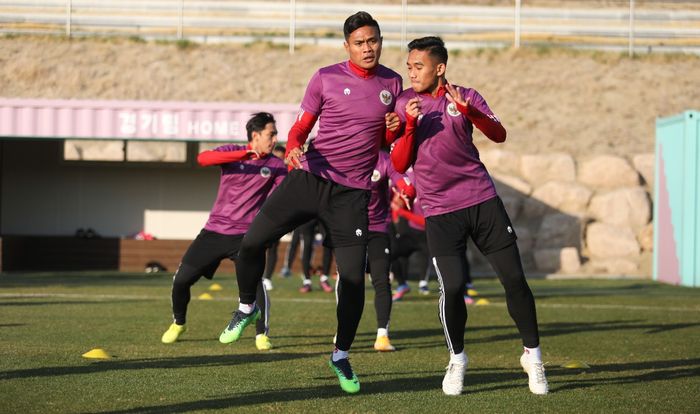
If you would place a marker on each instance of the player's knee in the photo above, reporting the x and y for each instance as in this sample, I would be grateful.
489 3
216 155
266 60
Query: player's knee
251 247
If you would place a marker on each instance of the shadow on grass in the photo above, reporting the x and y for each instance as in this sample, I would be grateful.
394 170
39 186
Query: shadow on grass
482 334
157 363
88 278
653 371
11 325
477 381
69 302
421 383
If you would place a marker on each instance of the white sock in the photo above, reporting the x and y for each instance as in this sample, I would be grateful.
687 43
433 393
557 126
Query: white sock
533 354
338 355
460 358
423 283
324 278
246 308
307 282
382 332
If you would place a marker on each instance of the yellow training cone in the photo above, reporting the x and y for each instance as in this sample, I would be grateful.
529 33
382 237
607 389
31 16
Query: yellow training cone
575 365
216 287
472 292
482 302
97 353
205 296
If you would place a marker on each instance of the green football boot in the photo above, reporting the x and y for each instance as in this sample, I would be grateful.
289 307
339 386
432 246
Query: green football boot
238 323
348 380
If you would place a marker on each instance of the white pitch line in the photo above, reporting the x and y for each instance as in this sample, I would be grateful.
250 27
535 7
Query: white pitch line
311 300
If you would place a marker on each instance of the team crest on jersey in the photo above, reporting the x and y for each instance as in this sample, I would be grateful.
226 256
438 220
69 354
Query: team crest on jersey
346 91
385 97
265 172
452 109
376 176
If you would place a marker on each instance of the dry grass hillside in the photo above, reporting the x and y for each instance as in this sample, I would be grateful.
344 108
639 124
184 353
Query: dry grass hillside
550 100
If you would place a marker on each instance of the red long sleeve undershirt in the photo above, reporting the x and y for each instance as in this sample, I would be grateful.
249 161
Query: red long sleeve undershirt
299 132
407 189
489 125
209 158
402 156
412 217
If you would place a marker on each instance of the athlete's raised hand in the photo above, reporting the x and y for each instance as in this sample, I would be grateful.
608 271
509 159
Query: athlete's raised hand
293 158
392 121
413 107
400 200
454 95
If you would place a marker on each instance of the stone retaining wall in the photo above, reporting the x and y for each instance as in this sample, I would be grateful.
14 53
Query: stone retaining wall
591 215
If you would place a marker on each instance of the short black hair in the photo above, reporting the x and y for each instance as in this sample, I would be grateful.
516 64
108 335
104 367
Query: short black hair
257 123
433 44
279 148
357 20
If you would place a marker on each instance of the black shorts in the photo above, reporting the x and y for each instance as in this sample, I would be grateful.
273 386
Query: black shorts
486 223
303 196
208 250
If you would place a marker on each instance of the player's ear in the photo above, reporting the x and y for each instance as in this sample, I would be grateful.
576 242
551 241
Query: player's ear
441 69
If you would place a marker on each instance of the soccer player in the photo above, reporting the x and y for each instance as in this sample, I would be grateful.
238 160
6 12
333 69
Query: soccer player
460 202
354 100
409 239
378 245
271 262
248 175
307 232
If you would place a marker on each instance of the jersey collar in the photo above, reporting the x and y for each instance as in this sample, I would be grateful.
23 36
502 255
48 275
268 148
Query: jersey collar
361 72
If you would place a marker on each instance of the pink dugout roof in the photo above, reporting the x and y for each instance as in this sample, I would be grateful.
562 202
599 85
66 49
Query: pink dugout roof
136 120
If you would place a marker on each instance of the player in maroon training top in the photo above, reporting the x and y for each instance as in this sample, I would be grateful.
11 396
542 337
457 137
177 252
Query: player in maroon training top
460 201
379 253
248 174
354 101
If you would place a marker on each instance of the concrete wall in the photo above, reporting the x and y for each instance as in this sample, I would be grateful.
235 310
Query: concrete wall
41 194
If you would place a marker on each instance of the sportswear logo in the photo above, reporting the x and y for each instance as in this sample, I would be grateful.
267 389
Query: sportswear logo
510 229
452 109
301 114
385 97
242 167
265 172
346 91
386 251
358 233
376 176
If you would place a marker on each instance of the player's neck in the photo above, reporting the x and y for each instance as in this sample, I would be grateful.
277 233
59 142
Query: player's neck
436 91
362 72
250 147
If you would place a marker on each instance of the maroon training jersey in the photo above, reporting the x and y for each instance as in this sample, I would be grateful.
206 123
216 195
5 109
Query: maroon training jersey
351 113
243 188
449 175
379 212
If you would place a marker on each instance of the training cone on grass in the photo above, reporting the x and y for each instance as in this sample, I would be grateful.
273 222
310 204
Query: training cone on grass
575 365
205 296
97 353
216 287
482 302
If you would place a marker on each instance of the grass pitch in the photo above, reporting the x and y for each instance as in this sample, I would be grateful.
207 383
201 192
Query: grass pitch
640 339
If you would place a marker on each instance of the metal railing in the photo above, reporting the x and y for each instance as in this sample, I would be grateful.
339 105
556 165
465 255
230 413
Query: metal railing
622 27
